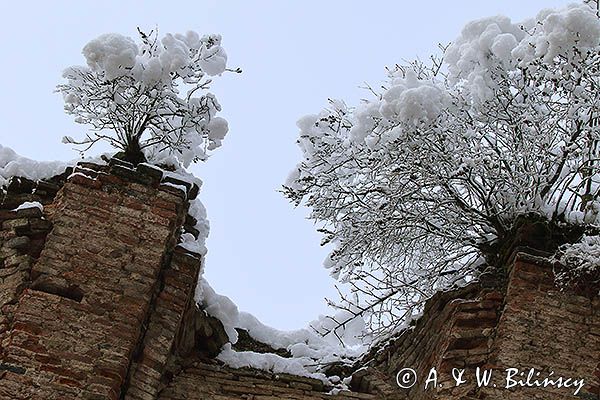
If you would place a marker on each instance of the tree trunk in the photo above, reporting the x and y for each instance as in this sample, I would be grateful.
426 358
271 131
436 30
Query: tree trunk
133 153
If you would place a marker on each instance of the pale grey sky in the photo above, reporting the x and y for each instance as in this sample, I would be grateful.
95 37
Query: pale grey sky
295 54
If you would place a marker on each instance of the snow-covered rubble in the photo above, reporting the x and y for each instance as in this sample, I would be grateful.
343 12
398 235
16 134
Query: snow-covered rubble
310 352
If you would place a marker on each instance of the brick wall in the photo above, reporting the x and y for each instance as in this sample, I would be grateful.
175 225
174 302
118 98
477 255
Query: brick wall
150 371
81 316
97 298
96 302
546 329
206 380
22 237
525 323
454 332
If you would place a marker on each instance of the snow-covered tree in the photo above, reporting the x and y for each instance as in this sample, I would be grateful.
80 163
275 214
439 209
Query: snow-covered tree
130 95
419 187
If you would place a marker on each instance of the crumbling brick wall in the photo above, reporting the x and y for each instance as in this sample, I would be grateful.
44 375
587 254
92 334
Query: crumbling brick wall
205 380
98 299
454 332
79 320
547 329
525 323
22 237
97 302
151 371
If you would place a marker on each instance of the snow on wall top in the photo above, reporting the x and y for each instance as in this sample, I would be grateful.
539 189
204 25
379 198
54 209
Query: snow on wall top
12 164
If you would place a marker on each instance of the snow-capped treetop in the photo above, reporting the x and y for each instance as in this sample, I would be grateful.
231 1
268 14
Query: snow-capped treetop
130 95
415 186
112 54
498 43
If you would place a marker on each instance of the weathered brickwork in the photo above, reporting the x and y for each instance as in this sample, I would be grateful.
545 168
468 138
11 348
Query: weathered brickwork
454 332
150 372
211 381
98 299
546 329
528 323
22 237
97 302
76 326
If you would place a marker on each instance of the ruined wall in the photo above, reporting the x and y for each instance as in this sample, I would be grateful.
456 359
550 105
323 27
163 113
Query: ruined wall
149 372
83 306
525 323
204 380
22 237
546 329
96 302
453 332
97 299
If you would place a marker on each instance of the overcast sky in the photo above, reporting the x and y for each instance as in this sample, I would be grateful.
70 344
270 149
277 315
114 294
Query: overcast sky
263 253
